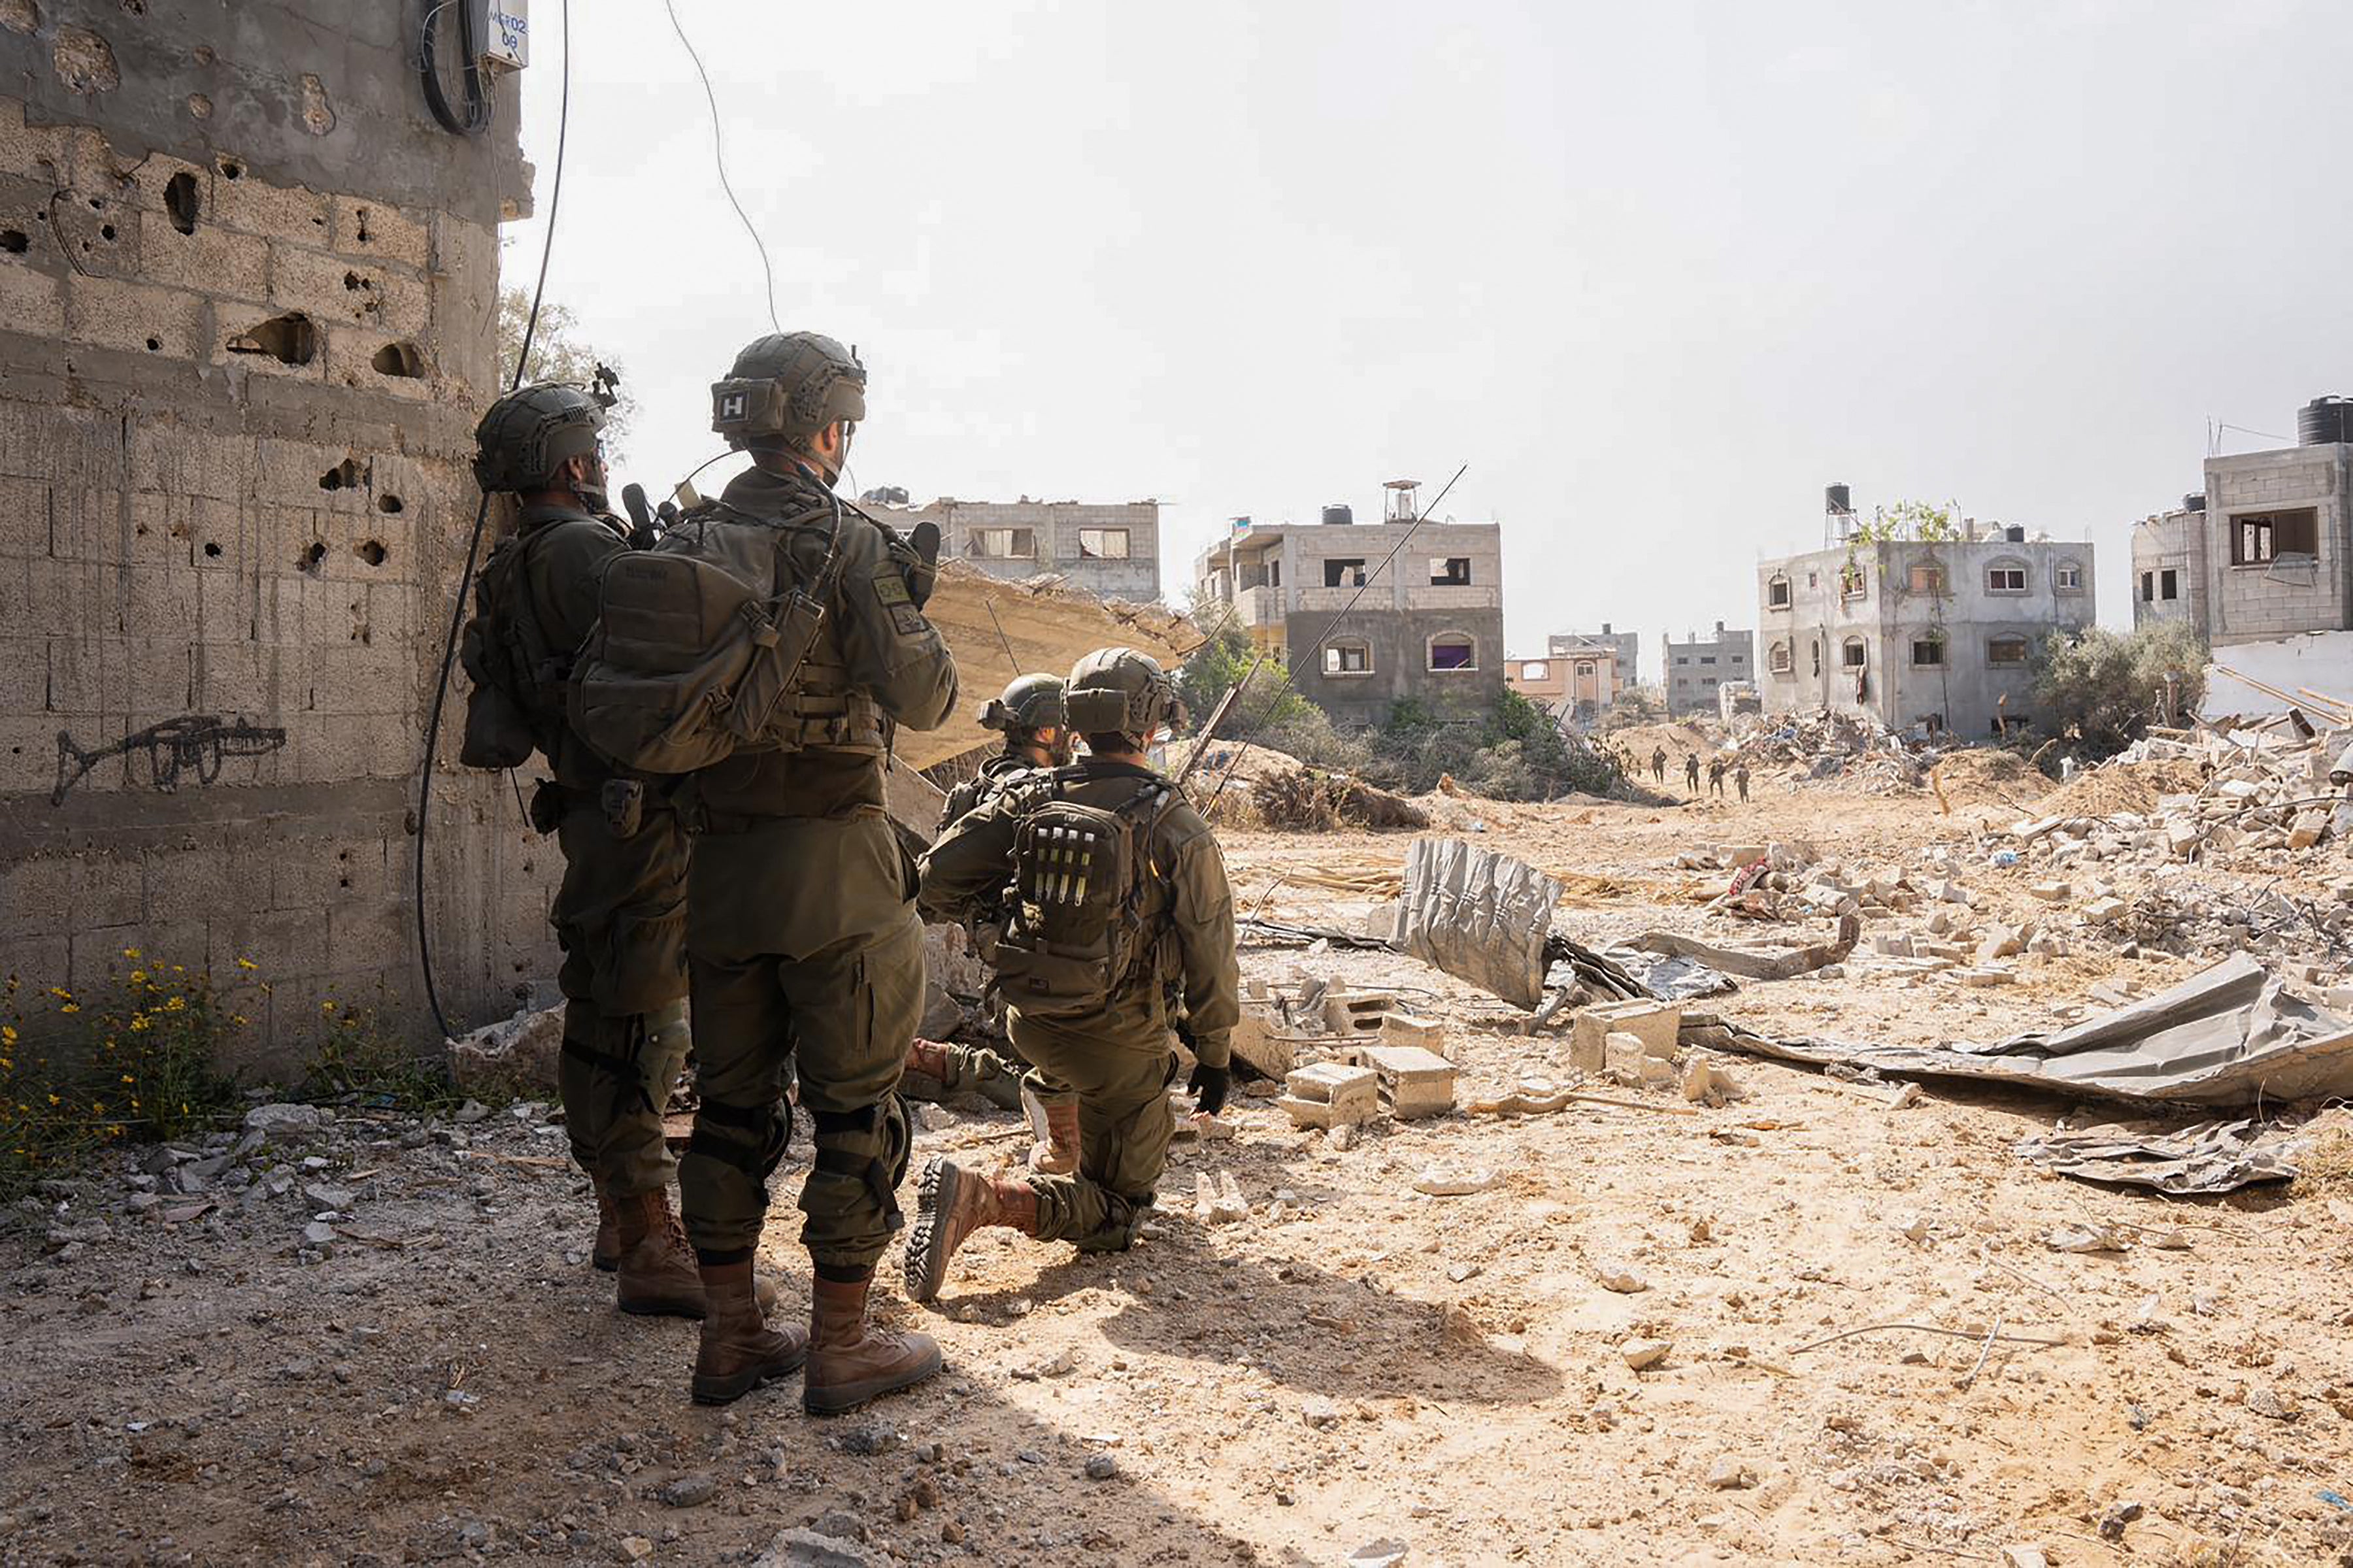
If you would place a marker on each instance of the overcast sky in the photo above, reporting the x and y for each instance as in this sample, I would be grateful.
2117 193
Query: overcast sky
1657 273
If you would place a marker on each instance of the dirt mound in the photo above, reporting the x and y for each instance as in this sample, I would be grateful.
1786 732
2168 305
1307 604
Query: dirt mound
1637 742
2120 786
1982 777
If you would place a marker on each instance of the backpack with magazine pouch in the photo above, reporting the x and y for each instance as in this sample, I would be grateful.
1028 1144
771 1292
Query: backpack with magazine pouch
694 646
518 696
1073 913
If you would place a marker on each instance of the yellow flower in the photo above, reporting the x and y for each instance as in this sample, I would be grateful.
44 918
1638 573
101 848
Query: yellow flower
176 1005
7 1033
138 1023
55 1100
128 1079
247 963
71 1007
130 953
138 976
60 992
239 1019
97 1108
327 1008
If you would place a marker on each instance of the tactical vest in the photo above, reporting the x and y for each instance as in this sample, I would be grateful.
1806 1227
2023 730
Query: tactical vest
518 675
1073 913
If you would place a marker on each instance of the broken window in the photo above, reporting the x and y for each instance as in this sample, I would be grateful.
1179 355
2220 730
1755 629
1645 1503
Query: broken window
1818 656
1342 572
1351 657
1274 574
1851 652
1453 650
1103 544
2067 577
1779 658
2147 587
1453 572
1928 580
2260 538
1003 544
1854 582
2006 578
1777 593
2005 652
2168 584
1927 652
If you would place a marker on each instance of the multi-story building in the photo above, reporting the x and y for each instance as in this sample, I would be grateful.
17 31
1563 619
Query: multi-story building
1427 625
1112 551
1625 645
1577 680
1912 632
1695 667
2267 550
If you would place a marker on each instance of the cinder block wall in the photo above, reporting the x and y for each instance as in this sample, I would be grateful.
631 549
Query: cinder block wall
247 297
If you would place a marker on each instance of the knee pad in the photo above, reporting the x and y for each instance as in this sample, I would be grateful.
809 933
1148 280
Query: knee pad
753 1140
874 1145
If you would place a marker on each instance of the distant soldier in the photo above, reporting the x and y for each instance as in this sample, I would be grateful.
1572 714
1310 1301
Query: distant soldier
1740 777
1659 764
1690 772
1715 776
1115 898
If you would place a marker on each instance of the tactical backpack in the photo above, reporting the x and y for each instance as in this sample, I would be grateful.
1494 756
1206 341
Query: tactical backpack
519 679
695 646
1072 932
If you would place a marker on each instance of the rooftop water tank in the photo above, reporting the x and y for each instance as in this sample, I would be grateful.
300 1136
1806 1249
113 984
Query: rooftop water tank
2325 421
2194 501
1836 500
1339 514
2015 533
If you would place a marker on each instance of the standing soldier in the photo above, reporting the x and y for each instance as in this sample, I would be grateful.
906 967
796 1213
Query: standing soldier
1740 777
618 913
1114 889
1030 715
801 934
1715 776
1659 764
1690 772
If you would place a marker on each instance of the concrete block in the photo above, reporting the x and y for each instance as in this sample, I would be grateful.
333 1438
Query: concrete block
91 524
1356 1014
380 231
1331 1094
32 302
35 896
1628 1060
306 474
336 290
1402 1028
1414 1082
243 201
140 317
184 460
1654 1023
212 260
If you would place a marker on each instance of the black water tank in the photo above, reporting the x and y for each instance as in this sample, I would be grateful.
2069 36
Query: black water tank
2194 501
2015 533
2325 421
1339 514
1836 500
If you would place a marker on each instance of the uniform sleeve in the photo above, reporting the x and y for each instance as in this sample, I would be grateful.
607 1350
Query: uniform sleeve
893 651
1202 910
963 871
565 570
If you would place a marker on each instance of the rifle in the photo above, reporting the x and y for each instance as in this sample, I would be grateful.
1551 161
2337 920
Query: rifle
1217 715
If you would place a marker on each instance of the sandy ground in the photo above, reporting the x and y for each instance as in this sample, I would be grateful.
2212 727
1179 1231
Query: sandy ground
1353 1364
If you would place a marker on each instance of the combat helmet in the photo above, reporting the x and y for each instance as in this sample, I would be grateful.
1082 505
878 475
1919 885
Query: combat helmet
1118 688
529 433
1033 702
787 386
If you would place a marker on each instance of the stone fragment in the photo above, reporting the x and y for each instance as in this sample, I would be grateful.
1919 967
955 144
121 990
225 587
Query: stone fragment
1218 1200
1414 1082
1628 1060
686 1491
2052 892
1101 1467
1623 1277
2105 911
286 1123
1655 1024
1332 1094
2272 1404
2023 1556
1729 1474
1439 1183
1641 1354
1319 1412
811 1549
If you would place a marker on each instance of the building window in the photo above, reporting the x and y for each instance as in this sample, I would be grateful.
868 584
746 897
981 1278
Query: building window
1851 652
2006 577
1740 659
1453 650
1274 574
2260 538
2067 577
1708 658
1683 658
1003 544
1777 593
1454 572
2005 653
1779 654
1930 651
1813 579
1103 544
1818 656
1351 656
1339 573
1854 582
2148 587
1929 580
1583 670
2168 584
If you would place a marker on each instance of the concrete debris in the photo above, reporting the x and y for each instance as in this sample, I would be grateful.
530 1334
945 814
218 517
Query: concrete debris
516 1055
1655 1027
808 1549
1413 1082
1439 1182
286 1123
1621 1278
2080 1237
1218 1200
1643 1354
1332 1094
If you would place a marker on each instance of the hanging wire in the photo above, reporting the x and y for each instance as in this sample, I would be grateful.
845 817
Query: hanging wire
719 156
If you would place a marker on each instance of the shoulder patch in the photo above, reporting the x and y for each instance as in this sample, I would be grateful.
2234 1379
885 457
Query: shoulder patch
889 587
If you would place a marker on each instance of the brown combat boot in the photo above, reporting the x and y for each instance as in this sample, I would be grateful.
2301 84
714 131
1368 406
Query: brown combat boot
850 1360
954 1203
739 1350
605 1252
658 1278
928 1058
1058 1155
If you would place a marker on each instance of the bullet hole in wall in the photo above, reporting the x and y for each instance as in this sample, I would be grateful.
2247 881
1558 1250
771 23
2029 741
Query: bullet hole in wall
373 552
181 201
387 503
154 345
291 339
231 169
213 549
106 231
312 559
346 474
400 359
14 241
361 217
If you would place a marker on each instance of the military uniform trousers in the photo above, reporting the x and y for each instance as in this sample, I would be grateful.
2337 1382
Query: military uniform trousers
1125 1124
971 1068
620 915
805 953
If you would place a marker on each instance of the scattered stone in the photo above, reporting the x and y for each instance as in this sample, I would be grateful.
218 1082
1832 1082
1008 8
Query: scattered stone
1101 1467
868 1439
318 1234
2076 1237
1622 1278
284 1123
2272 1404
1382 1554
472 1111
636 1548
1319 1412
1643 1354
327 1197
814 1549
686 1491
2113 1522
1443 1183
2024 1557
1218 1200
1729 1474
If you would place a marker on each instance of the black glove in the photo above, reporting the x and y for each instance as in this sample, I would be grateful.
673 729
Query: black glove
925 542
1210 1084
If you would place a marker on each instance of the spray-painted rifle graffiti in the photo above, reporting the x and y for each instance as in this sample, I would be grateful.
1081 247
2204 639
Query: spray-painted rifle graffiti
193 743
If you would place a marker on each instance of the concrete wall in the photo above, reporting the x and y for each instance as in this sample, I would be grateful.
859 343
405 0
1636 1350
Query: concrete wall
1870 599
247 296
2262 602
2173 543
1054 539
1694 668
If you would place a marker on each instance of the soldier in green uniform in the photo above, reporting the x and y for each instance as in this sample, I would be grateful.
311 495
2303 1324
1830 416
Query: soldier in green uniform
621 913
1029 714
1114 1048
802 938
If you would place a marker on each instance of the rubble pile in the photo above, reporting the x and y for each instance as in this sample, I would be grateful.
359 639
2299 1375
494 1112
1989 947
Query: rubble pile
1826 744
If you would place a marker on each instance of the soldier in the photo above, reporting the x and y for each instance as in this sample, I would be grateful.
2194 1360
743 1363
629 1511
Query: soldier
1740 777
1029 714
1659 764
1715 776
1116 891
801 937
1690 772
618 913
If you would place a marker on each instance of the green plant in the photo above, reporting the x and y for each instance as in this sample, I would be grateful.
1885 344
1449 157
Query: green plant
1212 670
2104 689
357 1060
558 354
135 1058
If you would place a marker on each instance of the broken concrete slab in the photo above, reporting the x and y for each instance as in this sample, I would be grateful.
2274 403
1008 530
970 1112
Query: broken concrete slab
1414 1083
1655 1024
1755 964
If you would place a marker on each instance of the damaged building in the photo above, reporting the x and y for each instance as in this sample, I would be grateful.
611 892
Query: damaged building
1698 666
1110 551
1940 633
1426 626
247 300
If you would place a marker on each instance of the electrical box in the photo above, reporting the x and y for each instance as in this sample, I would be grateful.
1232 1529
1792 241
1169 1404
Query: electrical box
504 30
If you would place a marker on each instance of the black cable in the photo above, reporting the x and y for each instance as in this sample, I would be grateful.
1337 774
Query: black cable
719 156
476 117
474 545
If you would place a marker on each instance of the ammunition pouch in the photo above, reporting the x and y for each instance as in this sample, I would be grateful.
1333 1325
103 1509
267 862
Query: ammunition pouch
549 802
624 800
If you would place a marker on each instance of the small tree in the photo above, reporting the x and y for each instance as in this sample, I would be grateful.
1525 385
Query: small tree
2106 688
1211 669
558 354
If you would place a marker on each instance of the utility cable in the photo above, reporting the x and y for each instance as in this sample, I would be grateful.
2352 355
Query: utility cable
1330 631
478 103
719 156
474 544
